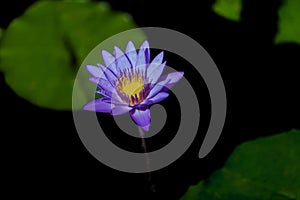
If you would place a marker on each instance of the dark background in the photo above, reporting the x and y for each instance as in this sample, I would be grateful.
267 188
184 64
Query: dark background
43 155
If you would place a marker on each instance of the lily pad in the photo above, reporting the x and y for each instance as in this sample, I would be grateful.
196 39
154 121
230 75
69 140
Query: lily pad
229 9
289 22
42 50
266 168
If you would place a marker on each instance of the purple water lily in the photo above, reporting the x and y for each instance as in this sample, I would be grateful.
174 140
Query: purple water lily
130 83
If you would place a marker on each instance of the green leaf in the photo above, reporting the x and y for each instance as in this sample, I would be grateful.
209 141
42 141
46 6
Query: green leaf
229 9
42 50
289 22
266 168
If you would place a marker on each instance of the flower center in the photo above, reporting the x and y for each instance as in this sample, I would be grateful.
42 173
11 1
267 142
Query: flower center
131 87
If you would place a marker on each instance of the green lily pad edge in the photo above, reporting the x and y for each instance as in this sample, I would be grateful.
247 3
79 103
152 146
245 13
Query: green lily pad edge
288 18
229 9
41 51
265 168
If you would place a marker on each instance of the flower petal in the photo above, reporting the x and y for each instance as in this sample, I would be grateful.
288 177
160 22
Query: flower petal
167 83
104 93
116 98
155 90
141 62
108 75
94 71
94 80
113 96
141 117
157 98
170 79
99 105
120 109
109 61
146 48
105 85
154 71
159 58
131 53
107 58
155 62
122 61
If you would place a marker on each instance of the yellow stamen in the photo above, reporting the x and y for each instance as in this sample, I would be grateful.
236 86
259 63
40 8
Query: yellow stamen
131 85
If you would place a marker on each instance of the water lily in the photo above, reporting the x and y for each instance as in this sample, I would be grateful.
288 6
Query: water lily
130 83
